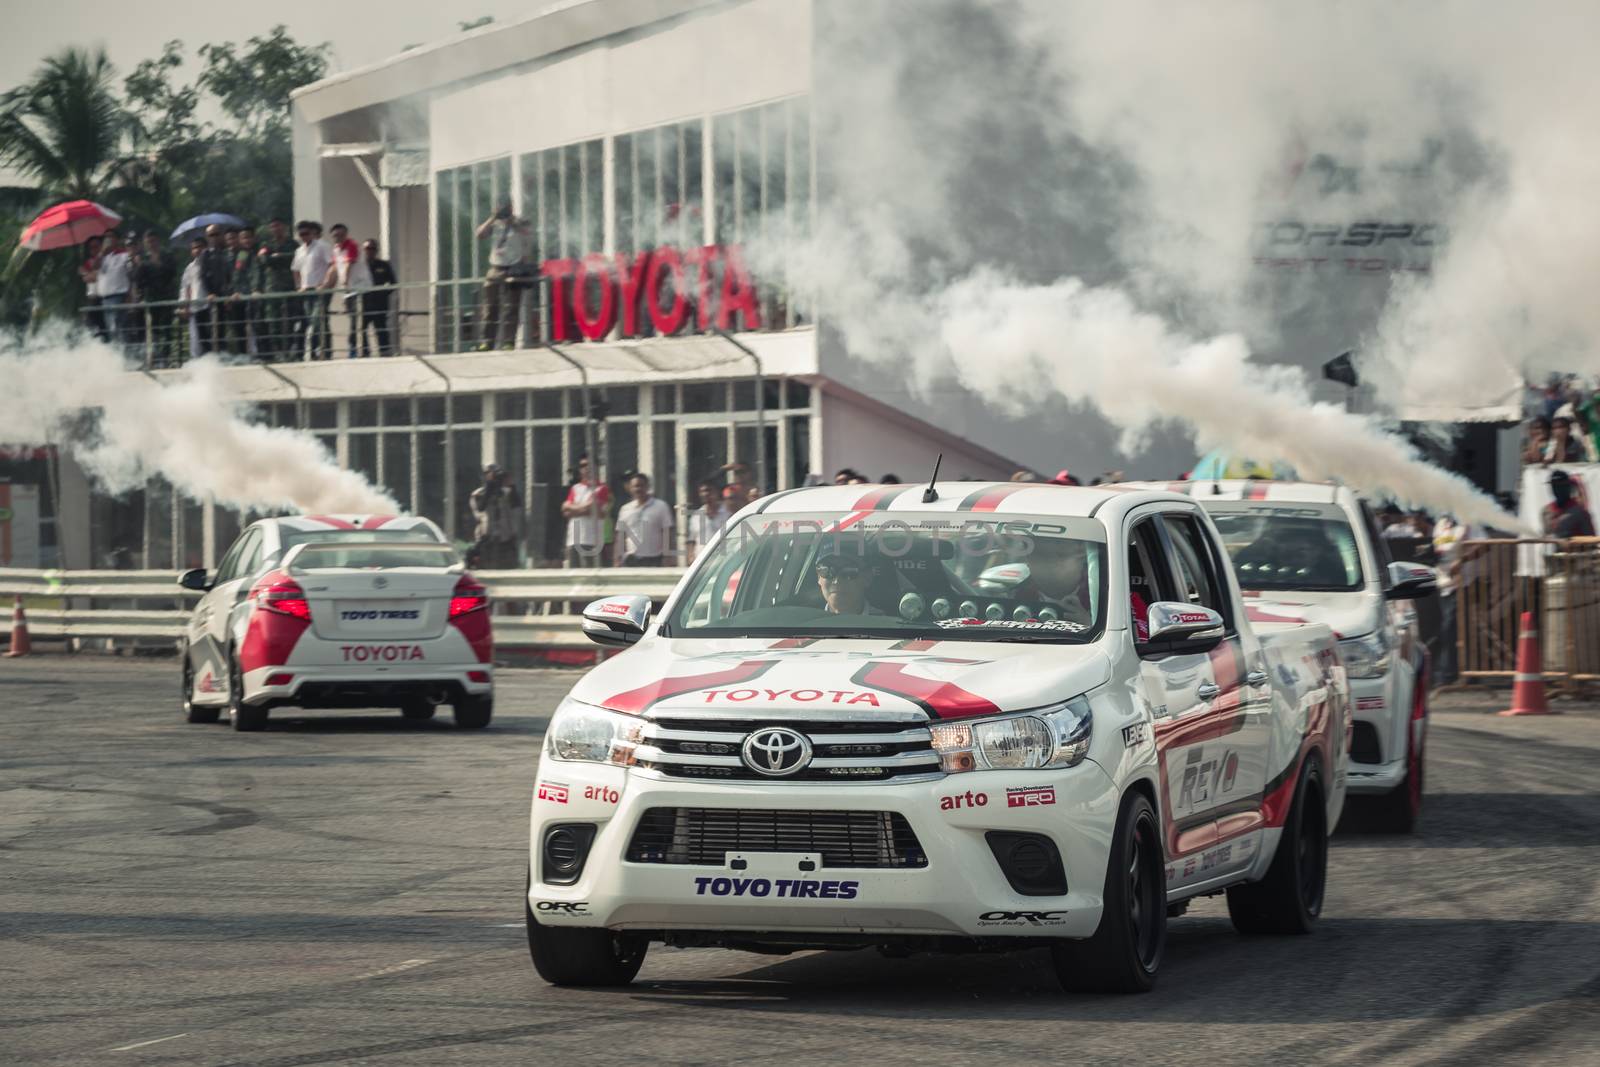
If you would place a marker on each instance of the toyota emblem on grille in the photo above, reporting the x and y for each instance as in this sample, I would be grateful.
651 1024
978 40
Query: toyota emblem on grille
776 751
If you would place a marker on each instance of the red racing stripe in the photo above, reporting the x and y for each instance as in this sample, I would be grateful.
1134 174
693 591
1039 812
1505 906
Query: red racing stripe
376 522
795 642
880 498
989 499
915 644
941 700
337 524
1255 491
636 701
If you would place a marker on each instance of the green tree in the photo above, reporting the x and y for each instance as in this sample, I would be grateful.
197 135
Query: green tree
66 136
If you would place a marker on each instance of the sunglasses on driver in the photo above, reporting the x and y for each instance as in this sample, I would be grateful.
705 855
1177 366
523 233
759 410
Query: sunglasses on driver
832 568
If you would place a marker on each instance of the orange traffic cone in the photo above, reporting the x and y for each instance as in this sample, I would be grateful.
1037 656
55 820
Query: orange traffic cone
1527 685
21 643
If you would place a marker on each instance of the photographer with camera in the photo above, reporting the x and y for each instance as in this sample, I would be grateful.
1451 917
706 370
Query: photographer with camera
509 274
497 511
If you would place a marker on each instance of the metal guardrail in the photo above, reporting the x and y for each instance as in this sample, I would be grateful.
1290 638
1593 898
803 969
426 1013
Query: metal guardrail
532 608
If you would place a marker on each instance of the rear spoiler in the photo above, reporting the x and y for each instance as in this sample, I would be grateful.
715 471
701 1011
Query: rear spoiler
446 552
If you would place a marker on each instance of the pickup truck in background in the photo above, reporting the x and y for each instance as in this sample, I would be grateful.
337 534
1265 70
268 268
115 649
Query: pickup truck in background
1312 552
1011 715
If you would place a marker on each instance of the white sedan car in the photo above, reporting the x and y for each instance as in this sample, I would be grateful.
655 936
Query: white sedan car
338 612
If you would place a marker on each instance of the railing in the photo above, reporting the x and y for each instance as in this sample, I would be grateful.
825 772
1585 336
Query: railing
417 318
1557 581
532 608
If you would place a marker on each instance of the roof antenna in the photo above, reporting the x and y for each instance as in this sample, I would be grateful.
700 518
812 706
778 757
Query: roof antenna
930 494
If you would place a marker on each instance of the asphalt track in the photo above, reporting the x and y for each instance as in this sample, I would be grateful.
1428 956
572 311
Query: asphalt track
347 890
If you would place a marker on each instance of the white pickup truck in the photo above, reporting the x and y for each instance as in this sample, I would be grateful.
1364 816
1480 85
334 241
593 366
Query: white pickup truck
1312 552
989 717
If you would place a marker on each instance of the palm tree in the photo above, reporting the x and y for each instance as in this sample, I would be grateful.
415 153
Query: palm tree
66 134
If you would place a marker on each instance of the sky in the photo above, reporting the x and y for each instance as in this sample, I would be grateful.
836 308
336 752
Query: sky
361 31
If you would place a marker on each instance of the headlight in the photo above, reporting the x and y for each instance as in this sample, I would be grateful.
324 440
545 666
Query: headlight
1365 657
1049 737
584 732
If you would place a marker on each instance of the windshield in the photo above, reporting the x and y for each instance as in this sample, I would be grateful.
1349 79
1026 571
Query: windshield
1033 578
1305 547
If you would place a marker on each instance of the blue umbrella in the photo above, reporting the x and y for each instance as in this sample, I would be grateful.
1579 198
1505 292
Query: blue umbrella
200 222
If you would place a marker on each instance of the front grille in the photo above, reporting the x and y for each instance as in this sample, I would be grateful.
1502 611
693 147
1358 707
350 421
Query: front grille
704 836
1364 744
842 750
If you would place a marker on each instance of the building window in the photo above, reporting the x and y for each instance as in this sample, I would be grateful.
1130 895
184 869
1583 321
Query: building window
660 198
761 166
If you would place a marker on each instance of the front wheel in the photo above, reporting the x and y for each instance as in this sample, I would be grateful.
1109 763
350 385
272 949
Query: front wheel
1399 811
473 713
1125 951
193 712
1289 899
584 957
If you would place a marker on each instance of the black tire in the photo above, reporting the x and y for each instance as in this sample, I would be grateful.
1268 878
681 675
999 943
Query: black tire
418 709
583 957
246 718
1289 899
1125 952
193 712
473 713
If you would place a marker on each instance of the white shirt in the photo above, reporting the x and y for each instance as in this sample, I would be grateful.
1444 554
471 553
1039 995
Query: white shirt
1447 538
644 529
586 529
190 288
357 275
116 274
509 244
704 526
312 263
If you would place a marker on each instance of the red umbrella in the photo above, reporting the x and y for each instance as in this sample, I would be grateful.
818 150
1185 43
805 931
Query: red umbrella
68 224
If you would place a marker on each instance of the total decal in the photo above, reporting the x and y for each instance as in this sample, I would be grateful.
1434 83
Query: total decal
383 653
1022 918
787 888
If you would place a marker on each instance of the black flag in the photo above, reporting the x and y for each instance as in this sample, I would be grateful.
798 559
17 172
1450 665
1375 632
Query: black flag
1341 369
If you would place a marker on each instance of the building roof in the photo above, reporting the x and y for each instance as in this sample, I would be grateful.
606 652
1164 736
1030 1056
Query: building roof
561 26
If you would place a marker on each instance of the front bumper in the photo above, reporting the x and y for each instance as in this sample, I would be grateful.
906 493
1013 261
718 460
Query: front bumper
961 891
1373 705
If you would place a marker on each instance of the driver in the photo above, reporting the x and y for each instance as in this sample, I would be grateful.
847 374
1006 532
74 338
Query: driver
843 581
1061 573
1300 552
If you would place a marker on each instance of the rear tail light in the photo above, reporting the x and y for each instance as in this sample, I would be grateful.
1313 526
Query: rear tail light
280 593
469 596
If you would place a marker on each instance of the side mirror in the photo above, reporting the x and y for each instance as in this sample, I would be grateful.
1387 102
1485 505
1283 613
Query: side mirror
617 620
195 579
1183 628
1411 581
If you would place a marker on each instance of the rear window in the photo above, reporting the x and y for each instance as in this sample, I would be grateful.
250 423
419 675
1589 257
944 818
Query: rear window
419 534
374 556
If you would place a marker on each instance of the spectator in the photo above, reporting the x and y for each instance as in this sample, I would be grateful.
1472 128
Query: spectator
584 509
849 476
644 526
216 274
88 273
155 281
734 497
1065 477
113 280
889 479
740 474
497 511
1564 446
248 281
375 302
1024 476
511 237
1538 437
1396 526
706 521
192 293
354 277
312 269
1565 516
276 257
1458 571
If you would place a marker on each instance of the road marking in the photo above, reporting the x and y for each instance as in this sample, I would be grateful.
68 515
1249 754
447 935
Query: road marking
404 965
153 1041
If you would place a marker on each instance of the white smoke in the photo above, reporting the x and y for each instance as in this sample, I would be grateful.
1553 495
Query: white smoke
1034 192
124 428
